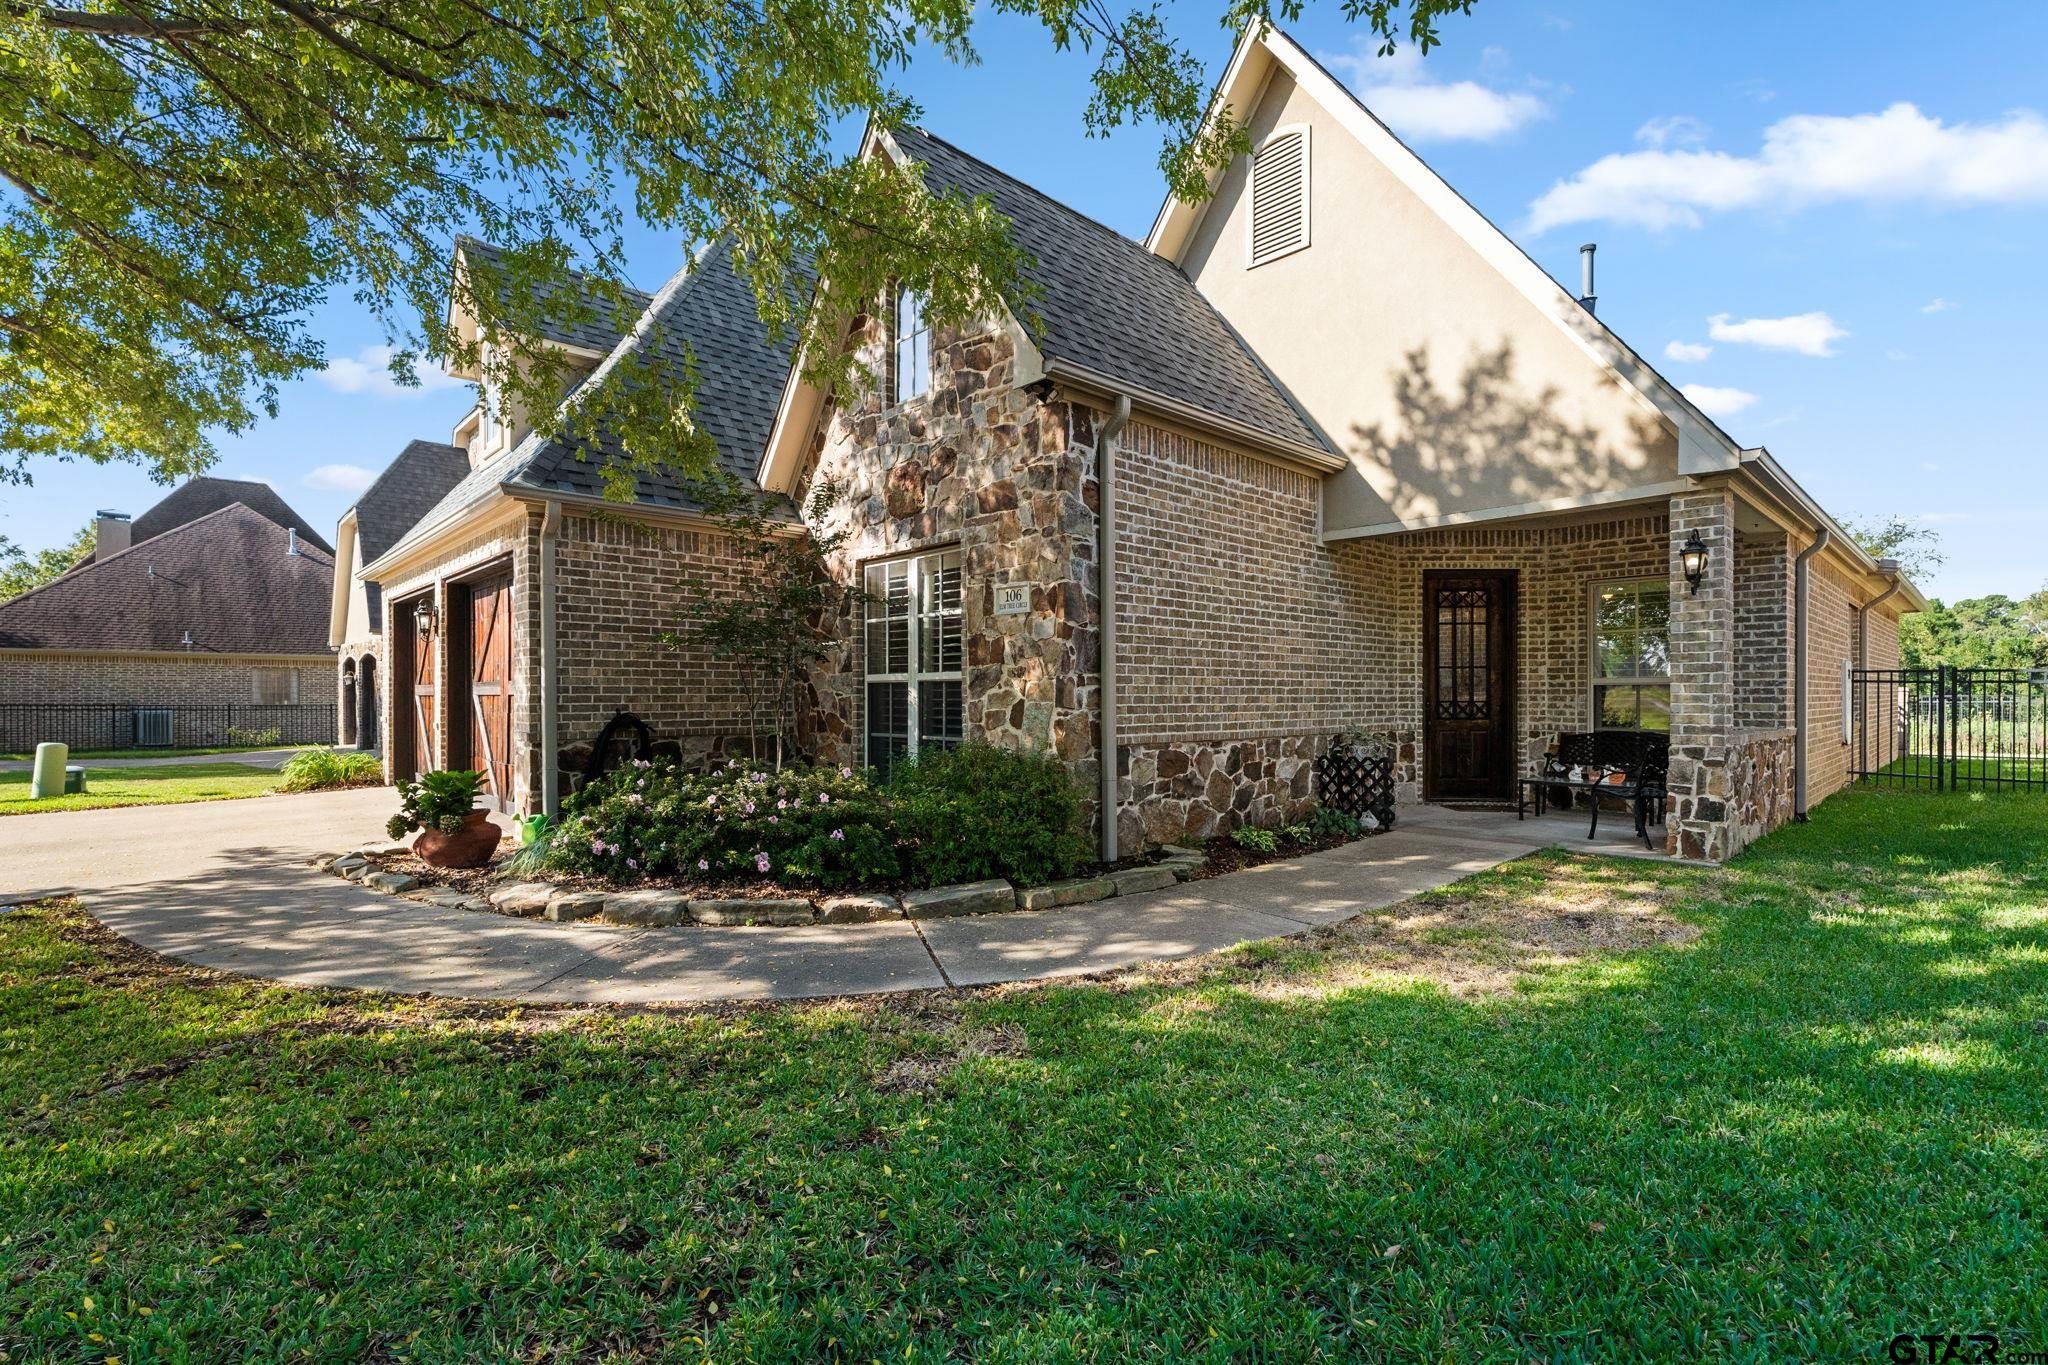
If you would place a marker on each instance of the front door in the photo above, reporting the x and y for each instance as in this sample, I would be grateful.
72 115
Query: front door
490 686
1468 687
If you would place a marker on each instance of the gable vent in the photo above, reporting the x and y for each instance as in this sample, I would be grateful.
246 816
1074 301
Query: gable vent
1278 221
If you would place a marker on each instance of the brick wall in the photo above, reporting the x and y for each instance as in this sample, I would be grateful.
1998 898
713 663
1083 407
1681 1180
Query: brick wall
1763 632
619 587
1831 642
155 679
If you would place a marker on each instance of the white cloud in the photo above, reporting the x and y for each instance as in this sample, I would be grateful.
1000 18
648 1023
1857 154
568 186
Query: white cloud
340 478
1936 306
1687 351
1398 89
1675 130
368 371
1806 333
1717 402
1898 155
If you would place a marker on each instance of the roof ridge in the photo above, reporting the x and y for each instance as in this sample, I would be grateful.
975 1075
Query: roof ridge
393 463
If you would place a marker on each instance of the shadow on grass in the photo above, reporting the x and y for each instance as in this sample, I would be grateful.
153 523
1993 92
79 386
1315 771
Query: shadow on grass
1818 1124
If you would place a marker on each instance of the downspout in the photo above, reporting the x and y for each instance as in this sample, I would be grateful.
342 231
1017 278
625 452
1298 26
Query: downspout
550 745
1105 633
1799 670
1890 569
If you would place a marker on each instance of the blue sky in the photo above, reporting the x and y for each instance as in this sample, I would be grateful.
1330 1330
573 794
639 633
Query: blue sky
1835 214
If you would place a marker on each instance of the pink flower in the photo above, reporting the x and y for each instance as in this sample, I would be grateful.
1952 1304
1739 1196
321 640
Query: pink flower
597 845
749 808
846 772
782 805
824 798
839 834
760 862
703 864
630 863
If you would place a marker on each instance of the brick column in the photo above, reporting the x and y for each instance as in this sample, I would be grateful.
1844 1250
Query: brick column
1702 677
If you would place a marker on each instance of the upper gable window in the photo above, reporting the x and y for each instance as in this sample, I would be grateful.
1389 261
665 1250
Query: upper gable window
1278 221
913 340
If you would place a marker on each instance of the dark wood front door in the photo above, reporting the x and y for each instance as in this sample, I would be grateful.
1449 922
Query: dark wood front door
1468 685
491 686
421 700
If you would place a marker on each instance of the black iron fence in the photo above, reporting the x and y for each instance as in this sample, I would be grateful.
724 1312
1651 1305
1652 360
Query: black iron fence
105 725
1950 728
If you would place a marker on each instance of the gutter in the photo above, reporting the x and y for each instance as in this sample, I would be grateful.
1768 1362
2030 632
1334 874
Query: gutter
550 746
1799 614
1105 632
1890 568
1250 438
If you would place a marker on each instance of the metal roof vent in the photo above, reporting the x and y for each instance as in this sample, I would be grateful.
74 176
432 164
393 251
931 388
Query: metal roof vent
1587 297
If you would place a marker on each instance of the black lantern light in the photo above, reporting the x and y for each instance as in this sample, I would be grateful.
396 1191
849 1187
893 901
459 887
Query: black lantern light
1692 558
423 616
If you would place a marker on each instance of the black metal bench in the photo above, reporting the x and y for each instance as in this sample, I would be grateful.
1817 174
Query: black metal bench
1641 757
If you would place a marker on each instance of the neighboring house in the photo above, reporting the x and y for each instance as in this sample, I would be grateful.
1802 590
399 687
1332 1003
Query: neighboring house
410 485
1347 460
207 613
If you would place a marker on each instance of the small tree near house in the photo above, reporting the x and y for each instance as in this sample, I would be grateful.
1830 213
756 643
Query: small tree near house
770 620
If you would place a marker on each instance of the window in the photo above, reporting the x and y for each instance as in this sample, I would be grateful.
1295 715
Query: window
913 656
1278 222
913 337
274 686
1632 655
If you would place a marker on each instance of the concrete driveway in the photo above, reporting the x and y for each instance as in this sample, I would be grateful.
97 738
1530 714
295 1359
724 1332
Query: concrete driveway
225 884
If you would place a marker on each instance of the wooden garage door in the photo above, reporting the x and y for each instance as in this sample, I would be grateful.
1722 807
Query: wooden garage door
491 686
421 653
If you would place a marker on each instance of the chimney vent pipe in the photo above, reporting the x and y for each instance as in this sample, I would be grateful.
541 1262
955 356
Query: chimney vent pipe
1587 296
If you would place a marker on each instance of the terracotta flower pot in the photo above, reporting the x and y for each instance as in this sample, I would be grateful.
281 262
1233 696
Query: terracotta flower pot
471 846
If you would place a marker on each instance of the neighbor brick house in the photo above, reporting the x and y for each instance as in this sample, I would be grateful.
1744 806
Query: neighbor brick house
205 614
1338 456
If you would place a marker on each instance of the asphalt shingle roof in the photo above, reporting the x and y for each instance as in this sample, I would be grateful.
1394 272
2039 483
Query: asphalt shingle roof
1111 306
197 497
407 490
225 577
594 332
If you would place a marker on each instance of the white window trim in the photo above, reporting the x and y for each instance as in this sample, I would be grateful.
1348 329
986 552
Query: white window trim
897 398
1594 682
1252 260
913 650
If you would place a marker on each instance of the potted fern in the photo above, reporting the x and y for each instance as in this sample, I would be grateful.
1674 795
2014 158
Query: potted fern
442 807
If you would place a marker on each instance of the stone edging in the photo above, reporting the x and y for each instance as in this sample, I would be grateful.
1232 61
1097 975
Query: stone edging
660 908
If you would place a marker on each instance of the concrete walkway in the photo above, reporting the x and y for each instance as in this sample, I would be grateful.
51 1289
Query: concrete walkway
255 758
225 885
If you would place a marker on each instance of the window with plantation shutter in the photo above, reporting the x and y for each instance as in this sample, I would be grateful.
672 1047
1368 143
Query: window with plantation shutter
1278 222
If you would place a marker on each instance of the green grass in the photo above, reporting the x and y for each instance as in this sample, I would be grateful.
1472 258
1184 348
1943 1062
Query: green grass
77 754
106 787
1819 1123
1978 770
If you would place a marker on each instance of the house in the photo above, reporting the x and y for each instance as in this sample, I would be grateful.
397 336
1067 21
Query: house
1336 454
204 615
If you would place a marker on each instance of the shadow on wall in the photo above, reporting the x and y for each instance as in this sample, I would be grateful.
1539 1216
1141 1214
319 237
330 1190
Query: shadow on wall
1484 441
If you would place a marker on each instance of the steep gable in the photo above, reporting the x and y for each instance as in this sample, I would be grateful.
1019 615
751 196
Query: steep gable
1455 375
199 496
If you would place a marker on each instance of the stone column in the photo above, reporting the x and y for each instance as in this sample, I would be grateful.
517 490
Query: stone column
1702 677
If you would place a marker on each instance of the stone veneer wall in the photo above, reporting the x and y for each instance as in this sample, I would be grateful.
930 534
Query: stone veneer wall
981 463
1731 794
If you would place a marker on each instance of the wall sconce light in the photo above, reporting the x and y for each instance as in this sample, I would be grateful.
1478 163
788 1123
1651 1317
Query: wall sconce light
1692 559
423 616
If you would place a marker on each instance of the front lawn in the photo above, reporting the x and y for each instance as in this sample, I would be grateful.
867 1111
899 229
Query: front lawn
143 787
1814 1123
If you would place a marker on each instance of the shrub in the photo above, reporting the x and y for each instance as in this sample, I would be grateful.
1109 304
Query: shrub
311 770
828 827
1329 821
979 811
1299 834
254 739
1256 839
439 800
533 834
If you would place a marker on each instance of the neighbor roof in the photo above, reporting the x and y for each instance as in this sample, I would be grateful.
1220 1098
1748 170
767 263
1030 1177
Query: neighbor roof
595 332
198 497
225 577
1108 305
407 490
